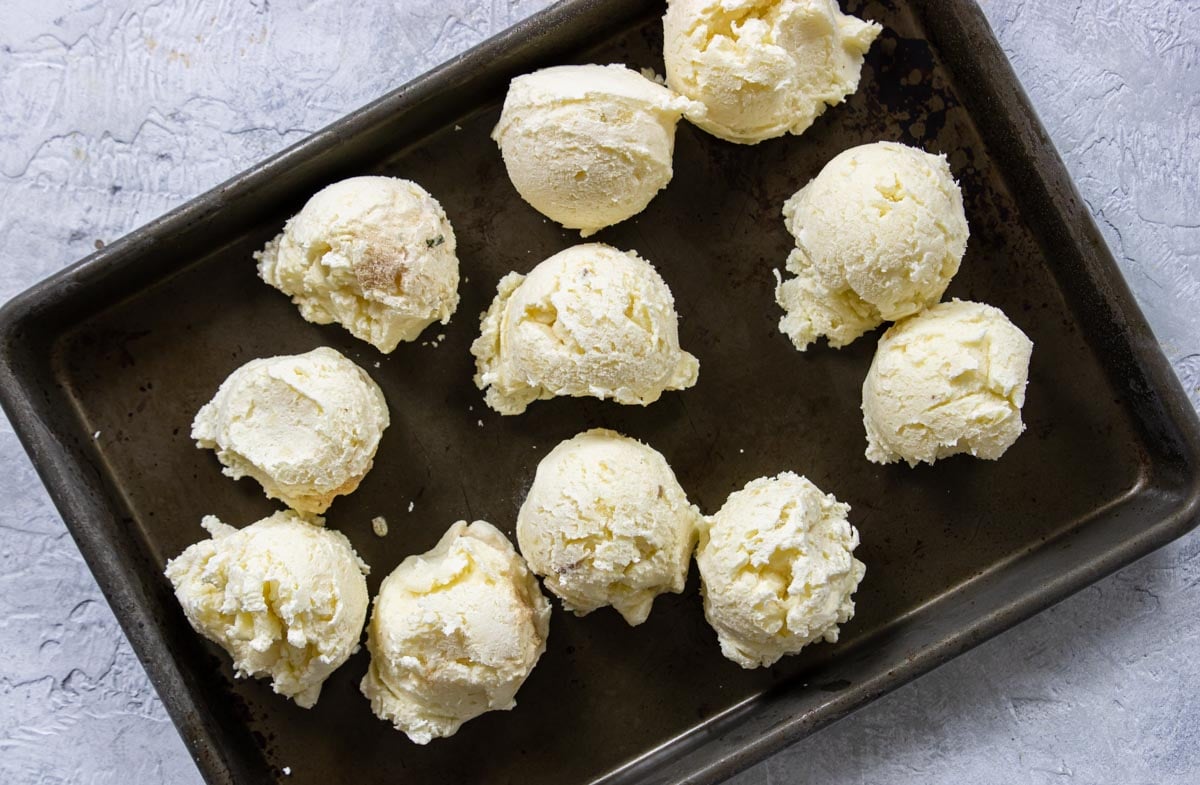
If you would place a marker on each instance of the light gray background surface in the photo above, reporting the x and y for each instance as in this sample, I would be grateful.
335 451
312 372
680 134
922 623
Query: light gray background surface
113 112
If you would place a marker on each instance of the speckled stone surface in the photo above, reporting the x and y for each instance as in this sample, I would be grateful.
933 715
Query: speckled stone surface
114 112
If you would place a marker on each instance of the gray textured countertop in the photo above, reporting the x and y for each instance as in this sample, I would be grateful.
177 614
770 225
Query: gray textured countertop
114 112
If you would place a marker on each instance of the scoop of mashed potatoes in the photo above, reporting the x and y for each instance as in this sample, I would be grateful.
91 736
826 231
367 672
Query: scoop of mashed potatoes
589 145
455 633
606 523
374 254
777 569
947 381
286 598
763 68
305 426
879 232
588 321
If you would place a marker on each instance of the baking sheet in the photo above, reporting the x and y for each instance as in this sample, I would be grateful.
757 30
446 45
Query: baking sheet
131 343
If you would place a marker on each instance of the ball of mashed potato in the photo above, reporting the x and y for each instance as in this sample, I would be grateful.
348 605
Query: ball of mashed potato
286 598
374 254
777 569
588 321
305 426
879 232
588 145
454 633
947 381
763 68
606 523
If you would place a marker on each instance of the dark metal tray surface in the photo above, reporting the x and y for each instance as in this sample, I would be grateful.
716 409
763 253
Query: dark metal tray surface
104 365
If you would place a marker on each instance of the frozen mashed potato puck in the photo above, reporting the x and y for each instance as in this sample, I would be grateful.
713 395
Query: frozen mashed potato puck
589 321
454 633
777 569
606 523
949 380
305 426
589 145
762 68
879 233
374 254
285 597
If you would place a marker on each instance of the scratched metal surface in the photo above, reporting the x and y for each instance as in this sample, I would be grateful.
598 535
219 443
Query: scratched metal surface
113 113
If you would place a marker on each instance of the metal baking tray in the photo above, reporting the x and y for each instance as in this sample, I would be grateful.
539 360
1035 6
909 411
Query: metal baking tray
103 366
